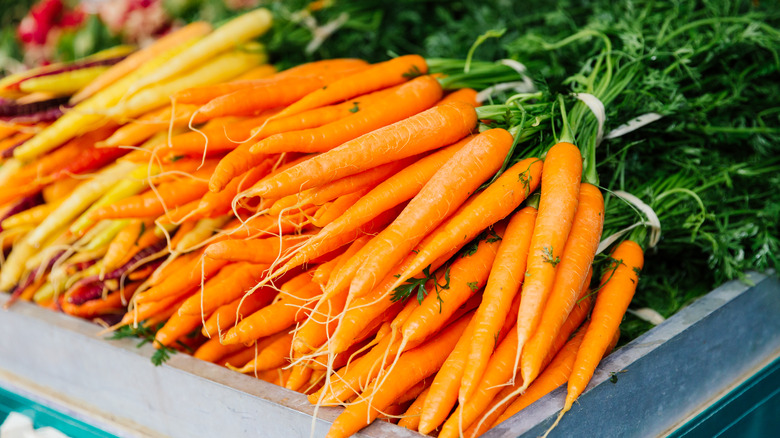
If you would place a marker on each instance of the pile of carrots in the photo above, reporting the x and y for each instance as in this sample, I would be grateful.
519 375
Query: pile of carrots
342 229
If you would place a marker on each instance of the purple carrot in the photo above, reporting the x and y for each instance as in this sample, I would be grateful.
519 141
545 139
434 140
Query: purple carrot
80 266
109 319
86 292
21 205
118 272
10 109
47 115
16 292
142 254
9 152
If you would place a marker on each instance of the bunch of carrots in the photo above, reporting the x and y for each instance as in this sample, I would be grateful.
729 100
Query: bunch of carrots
363 234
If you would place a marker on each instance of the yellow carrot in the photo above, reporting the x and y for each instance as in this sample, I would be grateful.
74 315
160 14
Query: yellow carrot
220 69
63 84
91 112
104 237
32 216
197 236
134 183
237 31
135 60
79 200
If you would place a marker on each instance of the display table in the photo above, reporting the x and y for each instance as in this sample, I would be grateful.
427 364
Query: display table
650 387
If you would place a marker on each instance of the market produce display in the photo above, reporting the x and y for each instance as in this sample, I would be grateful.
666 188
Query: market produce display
434 241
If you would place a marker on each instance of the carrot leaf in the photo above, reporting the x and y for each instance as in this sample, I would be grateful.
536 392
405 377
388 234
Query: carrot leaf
550 258
418 286
145 335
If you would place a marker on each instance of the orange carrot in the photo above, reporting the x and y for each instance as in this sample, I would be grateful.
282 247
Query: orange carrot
367 308
323 271
413 366
216 137
348 382
560 188
292 307
333 210
299 378
240 159
204 94
370 228
186 278
379 76
137 132
411 418
467 95
617 289
394 191
414 392
212 350
165 270
502 287
437 200
555 374
264 250
341 360
267 225
226 315
273 94
465 276
317 117
433 414
351 184
154 203
500 371
243 357
576 262
431 129
218 203
239 358
180 214
509 393
484 209
409 99
320 324
230 283
444 388
156 311
175 328
272 356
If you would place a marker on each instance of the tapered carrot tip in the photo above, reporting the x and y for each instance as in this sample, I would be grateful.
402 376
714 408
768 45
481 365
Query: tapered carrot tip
557 420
